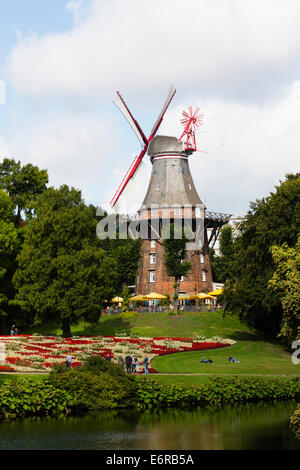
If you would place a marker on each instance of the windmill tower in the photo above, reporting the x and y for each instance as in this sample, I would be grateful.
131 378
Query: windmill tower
171 196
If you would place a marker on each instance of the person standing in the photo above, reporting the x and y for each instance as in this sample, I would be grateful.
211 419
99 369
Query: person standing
128 362
145 362
68 361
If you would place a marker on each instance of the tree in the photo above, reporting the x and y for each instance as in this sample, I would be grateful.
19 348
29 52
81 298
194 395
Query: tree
273 220
23 184
174 243
63 275
127 255
221 265
286 281
9 245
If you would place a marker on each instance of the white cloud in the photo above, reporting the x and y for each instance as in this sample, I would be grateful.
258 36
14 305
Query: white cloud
250 148
74 149
142 45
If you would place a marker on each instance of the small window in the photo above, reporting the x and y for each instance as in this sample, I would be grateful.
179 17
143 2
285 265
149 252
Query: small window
157 186
204 275
177 211
153 243
201 258
152 276
152 258
173 167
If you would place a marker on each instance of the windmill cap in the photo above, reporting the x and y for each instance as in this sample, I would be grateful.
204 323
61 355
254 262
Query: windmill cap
164 143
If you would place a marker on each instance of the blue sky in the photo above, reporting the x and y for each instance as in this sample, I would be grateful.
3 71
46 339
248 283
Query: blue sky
62 62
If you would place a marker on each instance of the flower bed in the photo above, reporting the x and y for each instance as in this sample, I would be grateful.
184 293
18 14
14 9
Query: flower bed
39 353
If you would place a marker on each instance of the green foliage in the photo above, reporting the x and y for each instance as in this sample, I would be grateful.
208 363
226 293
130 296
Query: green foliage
92 391
23 398
127 255
295 422
97 365
23 184
286 281
219 391
98 384
174 243
221 265
9 246
271 221
62 273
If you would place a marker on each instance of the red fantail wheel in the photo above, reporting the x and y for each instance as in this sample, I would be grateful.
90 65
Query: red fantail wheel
191 121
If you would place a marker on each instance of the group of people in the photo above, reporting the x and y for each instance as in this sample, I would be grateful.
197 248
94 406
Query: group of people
132 364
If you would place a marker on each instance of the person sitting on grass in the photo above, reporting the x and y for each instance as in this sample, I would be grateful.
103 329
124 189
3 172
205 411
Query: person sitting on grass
206 360
233 359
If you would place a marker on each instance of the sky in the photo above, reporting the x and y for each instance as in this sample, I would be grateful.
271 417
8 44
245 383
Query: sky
61 62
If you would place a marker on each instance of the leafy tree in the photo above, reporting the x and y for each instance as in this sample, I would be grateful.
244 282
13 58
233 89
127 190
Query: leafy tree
63 275
23 184
286 281
9 244
273 220
221 264
127 255
174 243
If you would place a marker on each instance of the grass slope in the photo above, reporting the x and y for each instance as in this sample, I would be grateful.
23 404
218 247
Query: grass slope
257 353
159 324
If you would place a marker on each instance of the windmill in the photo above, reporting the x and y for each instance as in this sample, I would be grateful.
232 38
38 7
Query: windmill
171 191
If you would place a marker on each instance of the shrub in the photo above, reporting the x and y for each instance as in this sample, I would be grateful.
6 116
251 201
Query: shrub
22 398
91 392
220 391
295 422
97 365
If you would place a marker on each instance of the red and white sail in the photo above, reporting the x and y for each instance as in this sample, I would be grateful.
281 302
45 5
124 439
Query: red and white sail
132 171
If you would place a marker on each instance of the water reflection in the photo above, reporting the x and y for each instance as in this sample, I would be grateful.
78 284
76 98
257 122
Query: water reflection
247 427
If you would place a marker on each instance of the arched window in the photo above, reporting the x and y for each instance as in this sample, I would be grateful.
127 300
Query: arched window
201 258
203 275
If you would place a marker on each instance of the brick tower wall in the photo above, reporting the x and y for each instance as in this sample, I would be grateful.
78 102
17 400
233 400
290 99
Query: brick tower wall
193 283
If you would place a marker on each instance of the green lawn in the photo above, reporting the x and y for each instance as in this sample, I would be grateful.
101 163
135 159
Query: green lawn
160 324
256 357
257 353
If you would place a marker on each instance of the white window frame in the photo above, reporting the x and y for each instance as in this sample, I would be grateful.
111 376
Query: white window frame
201 258
203 275
152 276
153 243
152 258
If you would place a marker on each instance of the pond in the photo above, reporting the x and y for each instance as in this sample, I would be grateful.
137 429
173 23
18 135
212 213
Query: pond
262 426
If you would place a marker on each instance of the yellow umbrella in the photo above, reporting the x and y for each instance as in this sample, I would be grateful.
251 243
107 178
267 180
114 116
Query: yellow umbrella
138 298
202 295
154 295
117 299
216 292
